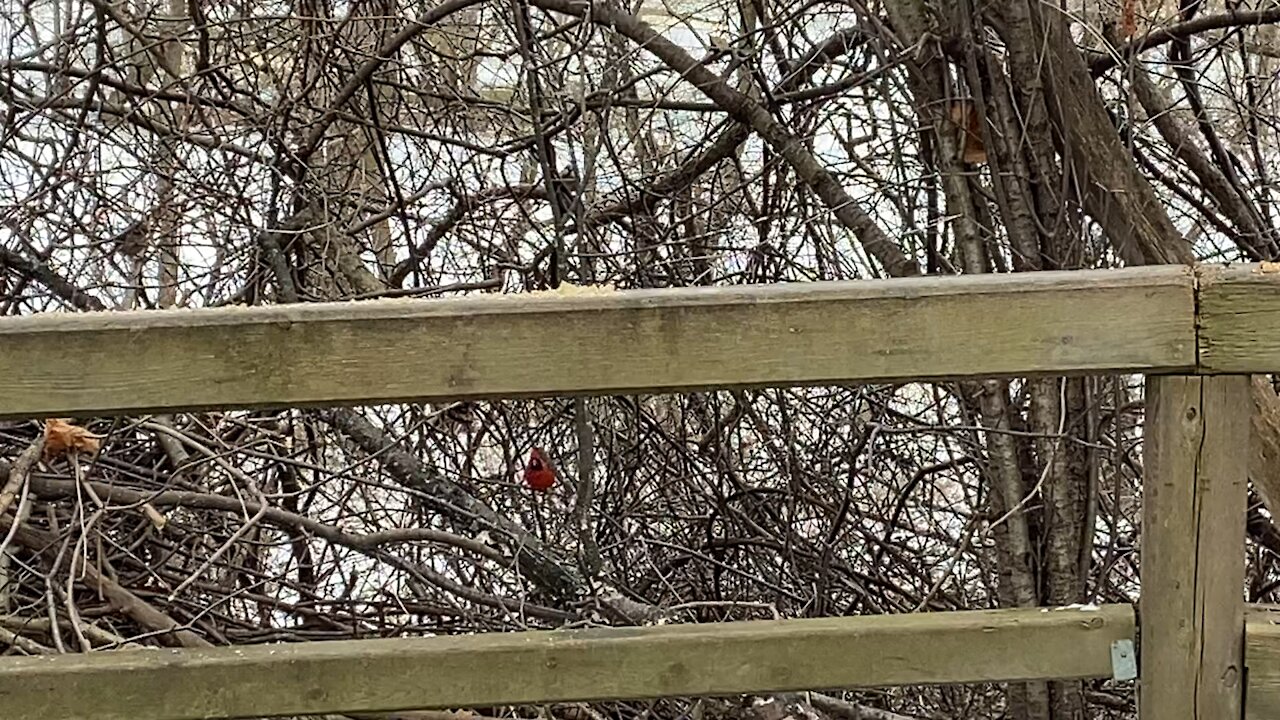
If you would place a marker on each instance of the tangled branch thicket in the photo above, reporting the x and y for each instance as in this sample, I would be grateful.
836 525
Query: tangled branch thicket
201 154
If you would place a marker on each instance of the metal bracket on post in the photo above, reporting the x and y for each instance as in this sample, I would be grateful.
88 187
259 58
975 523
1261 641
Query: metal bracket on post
1124 664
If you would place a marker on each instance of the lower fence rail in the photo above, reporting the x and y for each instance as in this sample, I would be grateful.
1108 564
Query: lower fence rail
563 665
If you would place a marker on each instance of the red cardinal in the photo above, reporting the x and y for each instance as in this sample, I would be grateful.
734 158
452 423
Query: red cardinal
539 474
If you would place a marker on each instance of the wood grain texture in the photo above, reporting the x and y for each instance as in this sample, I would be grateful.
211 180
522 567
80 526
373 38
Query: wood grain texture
1195 462
632 341
536 667
1239 318
1262 658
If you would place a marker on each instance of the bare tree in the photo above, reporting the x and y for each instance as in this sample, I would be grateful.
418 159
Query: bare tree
195 154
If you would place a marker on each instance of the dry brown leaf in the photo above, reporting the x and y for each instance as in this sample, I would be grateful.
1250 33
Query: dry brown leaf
1269 267
965 115
1128 18
61 437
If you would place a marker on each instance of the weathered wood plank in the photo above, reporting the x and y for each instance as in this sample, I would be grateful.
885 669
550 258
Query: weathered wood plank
1195 470
1239 319
535 667
1262 658
635 341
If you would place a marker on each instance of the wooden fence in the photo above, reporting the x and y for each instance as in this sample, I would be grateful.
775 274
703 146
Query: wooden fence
1196 333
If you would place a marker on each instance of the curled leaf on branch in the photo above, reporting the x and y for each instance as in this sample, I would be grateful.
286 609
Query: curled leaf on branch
964 113
61 437
1128 18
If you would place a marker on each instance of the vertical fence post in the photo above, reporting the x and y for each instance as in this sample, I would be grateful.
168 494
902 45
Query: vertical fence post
1191 613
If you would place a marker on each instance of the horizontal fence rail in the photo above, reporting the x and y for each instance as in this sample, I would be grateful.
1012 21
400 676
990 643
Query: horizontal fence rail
553 666
495 346
1240 319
